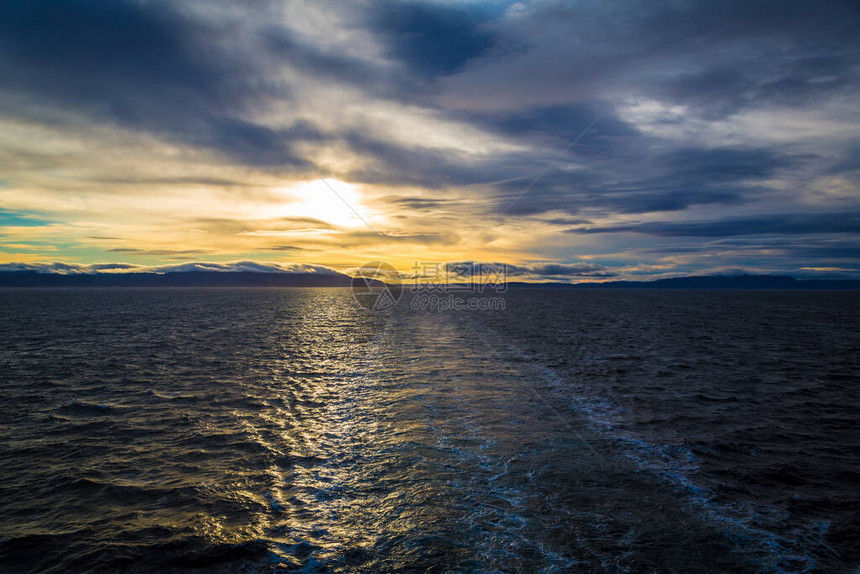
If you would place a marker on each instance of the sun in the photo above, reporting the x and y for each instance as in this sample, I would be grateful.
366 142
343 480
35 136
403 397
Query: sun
333 201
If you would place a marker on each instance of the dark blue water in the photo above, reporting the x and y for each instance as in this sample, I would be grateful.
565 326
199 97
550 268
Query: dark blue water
279 430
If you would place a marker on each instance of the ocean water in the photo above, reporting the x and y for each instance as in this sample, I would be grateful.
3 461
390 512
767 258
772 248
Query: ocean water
277 430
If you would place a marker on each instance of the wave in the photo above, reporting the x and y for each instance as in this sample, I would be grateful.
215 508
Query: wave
78 406
676 464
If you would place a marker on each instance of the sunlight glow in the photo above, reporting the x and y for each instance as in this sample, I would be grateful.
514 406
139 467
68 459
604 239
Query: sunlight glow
316 200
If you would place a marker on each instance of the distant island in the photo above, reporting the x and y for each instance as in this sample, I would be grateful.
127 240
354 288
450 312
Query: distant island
174 279
30 278
711 282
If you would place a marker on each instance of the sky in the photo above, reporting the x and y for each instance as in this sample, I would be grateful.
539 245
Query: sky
575 140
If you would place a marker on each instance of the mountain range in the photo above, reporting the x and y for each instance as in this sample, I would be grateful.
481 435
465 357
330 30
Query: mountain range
198 278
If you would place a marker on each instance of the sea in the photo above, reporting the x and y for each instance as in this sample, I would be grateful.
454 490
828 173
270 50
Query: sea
293 430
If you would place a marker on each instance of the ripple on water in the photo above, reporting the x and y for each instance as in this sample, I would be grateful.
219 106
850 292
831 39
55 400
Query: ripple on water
257 430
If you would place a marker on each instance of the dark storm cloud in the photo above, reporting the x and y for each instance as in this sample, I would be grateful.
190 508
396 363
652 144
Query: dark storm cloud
781 253
613 168
850 161
723 89
781 224
725 164
156 67
816 247
813 248
161 68
145 65
718 57
627 172
559 123
654 179
430 38
97 43
577 194
778 52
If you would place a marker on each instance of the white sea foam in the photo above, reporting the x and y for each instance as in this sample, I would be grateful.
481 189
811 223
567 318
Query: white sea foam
676 464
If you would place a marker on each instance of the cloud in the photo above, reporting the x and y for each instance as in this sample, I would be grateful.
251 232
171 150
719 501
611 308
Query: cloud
232 267
66 268
245 267
247 226
358 238
291 248
556 123
655 179
779 224
172 130
529 271
422 203
151 252
716 57
572 270
432 38
101 267
850 161
149 66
